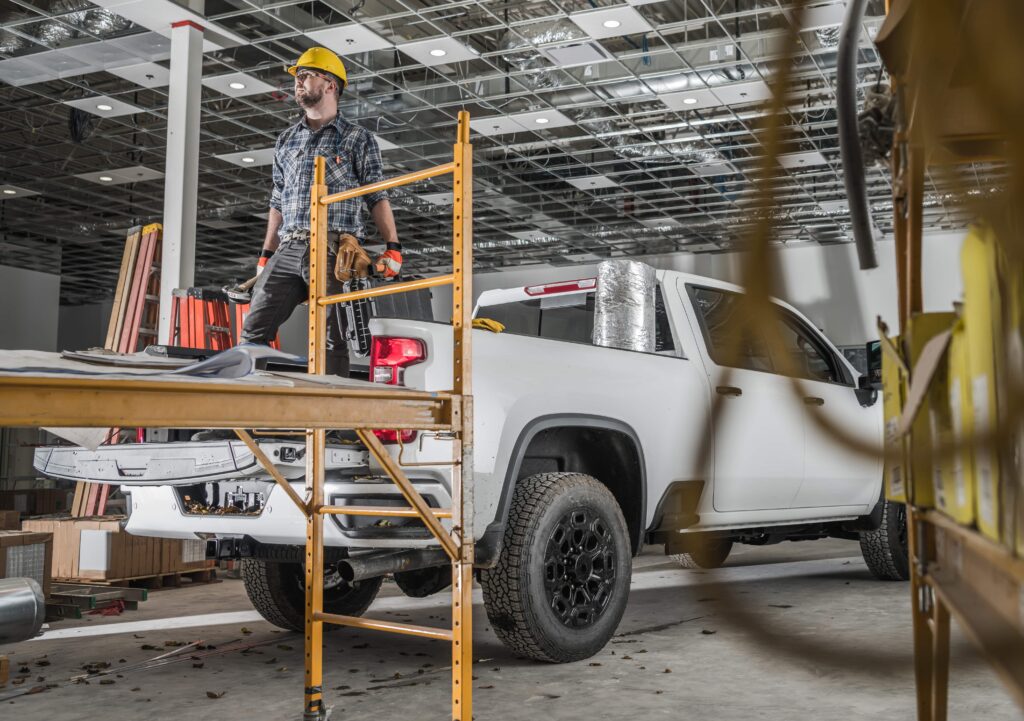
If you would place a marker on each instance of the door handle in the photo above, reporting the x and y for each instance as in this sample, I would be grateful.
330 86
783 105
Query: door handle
814 401
729 391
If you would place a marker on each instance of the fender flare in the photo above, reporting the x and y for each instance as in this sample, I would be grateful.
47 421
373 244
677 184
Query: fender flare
490 542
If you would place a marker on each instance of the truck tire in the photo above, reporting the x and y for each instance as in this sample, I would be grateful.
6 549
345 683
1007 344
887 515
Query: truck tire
885 548
561 582
711 553
277 591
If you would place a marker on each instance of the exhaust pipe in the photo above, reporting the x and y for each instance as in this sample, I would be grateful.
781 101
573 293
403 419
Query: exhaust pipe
371 565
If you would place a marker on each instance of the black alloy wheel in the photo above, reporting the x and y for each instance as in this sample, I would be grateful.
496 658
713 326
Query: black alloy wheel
579 568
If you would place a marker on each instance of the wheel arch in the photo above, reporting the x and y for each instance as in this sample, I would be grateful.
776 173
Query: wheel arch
606 448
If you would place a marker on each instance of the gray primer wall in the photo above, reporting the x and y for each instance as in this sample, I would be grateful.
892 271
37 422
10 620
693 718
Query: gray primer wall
30 301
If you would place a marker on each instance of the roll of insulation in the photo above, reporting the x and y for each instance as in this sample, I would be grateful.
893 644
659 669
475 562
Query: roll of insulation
624 306
22 609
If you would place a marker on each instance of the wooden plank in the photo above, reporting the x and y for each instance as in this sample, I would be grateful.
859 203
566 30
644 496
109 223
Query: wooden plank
100 402
127 267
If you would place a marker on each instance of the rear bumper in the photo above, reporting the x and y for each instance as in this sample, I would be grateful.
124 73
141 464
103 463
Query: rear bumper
157 511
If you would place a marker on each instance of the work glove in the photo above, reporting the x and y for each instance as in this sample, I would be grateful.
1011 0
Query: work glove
352 260
265 256
389 263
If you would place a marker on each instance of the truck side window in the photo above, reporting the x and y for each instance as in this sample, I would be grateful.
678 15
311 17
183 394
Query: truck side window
809 357
730 341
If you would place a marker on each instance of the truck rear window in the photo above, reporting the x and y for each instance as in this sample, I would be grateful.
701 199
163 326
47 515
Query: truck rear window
568 317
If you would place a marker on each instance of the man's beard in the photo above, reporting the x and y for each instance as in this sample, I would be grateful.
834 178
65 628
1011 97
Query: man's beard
309 98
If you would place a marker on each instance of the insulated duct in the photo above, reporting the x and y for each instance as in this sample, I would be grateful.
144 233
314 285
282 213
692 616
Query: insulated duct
854 175
22 609
624 306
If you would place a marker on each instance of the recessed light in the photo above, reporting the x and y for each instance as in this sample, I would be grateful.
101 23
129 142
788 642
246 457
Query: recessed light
542 121
689 101
106 178
248 159
610 24
8 191
438 52
236 85
104 106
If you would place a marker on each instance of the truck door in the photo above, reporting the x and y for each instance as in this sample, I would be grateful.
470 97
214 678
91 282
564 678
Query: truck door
834 475
759 433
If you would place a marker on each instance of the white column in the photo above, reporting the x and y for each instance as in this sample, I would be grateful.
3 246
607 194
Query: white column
178 259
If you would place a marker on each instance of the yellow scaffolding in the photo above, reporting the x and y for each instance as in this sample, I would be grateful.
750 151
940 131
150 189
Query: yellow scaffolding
942 589
93 400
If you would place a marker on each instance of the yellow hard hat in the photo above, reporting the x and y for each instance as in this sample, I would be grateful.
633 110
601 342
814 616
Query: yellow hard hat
322 59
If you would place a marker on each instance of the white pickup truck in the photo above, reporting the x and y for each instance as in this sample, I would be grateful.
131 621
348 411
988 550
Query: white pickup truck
583 455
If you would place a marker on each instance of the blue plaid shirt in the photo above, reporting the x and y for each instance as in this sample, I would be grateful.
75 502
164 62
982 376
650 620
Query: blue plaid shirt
353 159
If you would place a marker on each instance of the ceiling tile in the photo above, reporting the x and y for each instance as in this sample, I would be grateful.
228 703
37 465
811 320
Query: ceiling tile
249 158
592 182
495 125
121 176
802 160
611 22
438 51
13 192
349 38
237 85
742 93
148 75
567 56
542 119
104 106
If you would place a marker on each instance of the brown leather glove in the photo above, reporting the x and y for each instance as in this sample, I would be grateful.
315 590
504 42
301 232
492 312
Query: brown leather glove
352 262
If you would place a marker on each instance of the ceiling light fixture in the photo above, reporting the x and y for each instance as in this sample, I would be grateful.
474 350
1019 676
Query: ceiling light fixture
248 159
236 85
689 101
611 24
438 52
542 121
106 178
104 106
8 191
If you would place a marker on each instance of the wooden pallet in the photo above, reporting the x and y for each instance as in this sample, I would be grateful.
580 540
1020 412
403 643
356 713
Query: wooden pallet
151 582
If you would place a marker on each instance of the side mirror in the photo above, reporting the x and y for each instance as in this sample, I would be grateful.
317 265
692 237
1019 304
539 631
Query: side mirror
866 392
873 379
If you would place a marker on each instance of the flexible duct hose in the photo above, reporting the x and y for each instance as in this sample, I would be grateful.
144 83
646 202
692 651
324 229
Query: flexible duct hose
849 137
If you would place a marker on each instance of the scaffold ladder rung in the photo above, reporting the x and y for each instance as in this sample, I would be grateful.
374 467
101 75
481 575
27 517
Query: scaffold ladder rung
381 511
440 634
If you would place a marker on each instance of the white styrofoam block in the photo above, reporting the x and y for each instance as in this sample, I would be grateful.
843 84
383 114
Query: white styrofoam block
28 561
94 550
193 551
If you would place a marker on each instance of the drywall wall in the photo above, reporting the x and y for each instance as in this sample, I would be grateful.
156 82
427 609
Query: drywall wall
30 301
824 282
83 326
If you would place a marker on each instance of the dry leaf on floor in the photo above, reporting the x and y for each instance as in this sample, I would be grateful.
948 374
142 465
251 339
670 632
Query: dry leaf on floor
212 694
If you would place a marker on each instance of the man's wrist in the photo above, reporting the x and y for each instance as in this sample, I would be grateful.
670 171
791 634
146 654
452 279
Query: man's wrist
266 253
393 245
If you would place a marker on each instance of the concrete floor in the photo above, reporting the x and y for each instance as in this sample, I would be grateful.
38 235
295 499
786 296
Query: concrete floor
677 655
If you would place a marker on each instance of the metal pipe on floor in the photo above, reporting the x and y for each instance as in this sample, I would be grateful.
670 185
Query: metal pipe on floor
22 609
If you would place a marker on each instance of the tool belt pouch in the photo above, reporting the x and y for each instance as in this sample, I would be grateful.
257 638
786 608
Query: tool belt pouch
352 261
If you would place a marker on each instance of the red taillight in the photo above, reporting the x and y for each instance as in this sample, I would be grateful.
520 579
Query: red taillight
562 287
390 437
388 358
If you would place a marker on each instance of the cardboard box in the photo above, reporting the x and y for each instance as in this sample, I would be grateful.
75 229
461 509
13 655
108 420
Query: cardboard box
960 496
98 549
27 554
10 521
893 394
921 329
983 333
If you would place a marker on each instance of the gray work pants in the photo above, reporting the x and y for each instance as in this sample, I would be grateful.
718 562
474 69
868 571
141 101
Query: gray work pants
284 284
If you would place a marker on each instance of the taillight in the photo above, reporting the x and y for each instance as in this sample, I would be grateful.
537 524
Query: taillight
389 356
392 436
388 359
562 287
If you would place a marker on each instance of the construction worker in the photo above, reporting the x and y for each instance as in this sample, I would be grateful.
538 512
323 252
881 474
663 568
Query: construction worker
353 159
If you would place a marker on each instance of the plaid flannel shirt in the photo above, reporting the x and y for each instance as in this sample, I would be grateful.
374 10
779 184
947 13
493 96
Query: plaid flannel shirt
353 159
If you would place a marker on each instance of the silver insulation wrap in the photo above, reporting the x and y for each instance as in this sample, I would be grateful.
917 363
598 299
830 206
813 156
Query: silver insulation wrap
624 306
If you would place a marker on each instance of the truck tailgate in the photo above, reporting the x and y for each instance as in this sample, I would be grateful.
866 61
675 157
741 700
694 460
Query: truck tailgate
159 464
